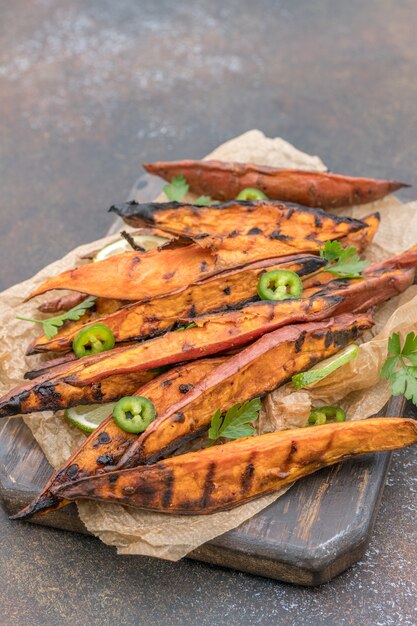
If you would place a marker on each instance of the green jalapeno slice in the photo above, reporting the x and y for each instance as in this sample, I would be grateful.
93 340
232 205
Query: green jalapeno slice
251 193
280 285
133 414
323 413
92 340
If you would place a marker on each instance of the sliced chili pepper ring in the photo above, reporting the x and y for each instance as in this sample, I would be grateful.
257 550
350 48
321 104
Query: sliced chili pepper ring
133 414
92 340
251 193
280 285
323 413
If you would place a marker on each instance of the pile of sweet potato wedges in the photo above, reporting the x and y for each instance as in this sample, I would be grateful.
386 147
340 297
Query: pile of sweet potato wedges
193 336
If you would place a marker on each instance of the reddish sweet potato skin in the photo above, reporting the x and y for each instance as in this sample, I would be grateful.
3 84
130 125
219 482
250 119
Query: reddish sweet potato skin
255 371
223 477
108 442
402 260
224 180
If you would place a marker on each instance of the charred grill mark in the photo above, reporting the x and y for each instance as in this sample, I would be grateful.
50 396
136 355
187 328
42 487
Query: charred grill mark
294 447
166 383
341 337
248 475
209 486
234 233
298 344
185 388
277 235
203 266
318 220
113 478
97 393
255 231
192 312
47 393
103 437
72 471
105 459
328 339
168 490
227 291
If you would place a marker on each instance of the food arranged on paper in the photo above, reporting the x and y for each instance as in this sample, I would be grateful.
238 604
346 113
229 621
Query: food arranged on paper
175 333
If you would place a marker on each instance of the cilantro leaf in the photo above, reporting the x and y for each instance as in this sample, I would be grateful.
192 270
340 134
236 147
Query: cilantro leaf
177 189
237 421
400 366
205 201
342 262
52 324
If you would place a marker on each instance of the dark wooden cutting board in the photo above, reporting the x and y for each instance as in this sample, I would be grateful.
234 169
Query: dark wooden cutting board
319 528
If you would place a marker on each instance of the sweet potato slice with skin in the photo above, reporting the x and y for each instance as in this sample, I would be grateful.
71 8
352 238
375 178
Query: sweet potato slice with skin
255 371
361 294
404 259
108 442
139 276
214 333
262 217
361 239
224 180
223 477
62 386
142 320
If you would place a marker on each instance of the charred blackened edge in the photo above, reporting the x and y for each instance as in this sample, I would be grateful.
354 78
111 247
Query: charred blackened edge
136 214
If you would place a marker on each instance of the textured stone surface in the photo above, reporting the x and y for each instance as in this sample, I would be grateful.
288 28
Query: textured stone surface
88 90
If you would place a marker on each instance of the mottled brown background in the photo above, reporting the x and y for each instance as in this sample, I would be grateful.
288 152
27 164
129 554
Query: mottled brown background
88 90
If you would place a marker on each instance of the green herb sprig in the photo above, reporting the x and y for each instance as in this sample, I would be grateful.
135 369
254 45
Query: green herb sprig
237 421
177 189
341 262
52 324
400 366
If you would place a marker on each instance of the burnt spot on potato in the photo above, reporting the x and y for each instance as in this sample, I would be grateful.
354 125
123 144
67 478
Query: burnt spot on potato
105 459
102 438
185 388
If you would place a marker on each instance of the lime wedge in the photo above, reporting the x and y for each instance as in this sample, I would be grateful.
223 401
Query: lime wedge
121 245
323 369
89 416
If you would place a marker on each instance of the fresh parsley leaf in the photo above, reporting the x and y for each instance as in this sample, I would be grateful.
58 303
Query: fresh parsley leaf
52 324
177 189
400 366
205 201
237 421
342 262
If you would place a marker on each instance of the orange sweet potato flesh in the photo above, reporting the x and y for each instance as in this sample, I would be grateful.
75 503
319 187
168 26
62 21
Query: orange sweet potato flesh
108 442
258 369
223 477
363 238
139 276
214 333
262 217
224 180
146 319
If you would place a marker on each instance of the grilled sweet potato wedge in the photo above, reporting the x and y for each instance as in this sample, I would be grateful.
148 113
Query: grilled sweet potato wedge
255 371
63 386
404 259
223 477
108 442
361 294
142 320
139 276
361 239
224 180
263 217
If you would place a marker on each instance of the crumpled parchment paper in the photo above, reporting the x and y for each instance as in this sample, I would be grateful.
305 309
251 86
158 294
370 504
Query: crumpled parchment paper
356 386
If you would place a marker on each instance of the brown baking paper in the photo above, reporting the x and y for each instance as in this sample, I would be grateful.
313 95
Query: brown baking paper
356 386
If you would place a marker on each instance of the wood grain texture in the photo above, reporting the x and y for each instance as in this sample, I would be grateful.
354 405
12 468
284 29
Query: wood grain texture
308 536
